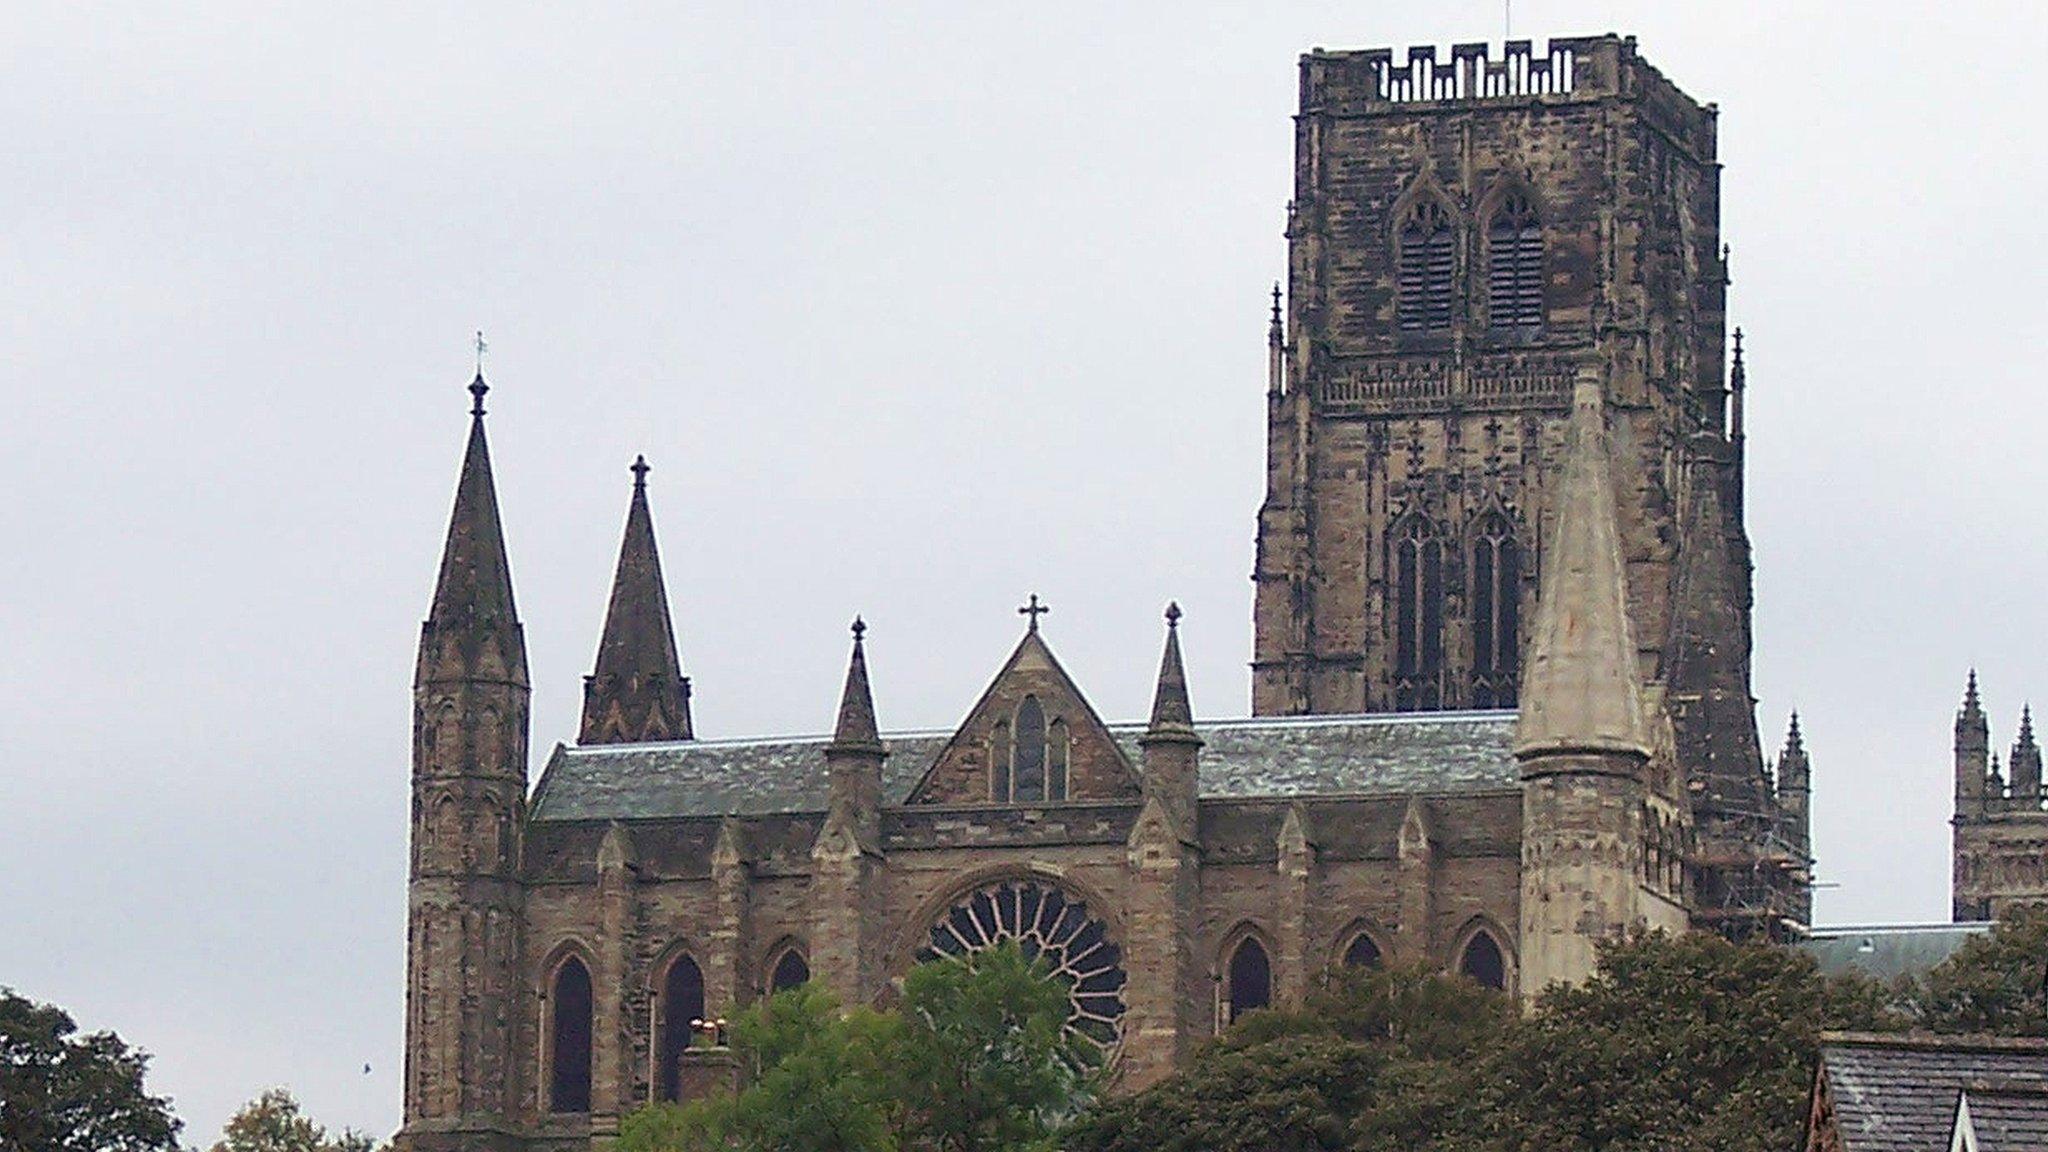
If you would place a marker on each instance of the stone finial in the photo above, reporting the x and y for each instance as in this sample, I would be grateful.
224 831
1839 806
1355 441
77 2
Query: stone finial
1580 689
1793 741
637 691
855 730
1276 329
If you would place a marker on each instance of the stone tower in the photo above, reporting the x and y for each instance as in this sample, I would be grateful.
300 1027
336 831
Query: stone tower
1583 740
637 693
1467 239
466 906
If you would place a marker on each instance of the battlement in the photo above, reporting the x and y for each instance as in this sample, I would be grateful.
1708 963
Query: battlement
1566 70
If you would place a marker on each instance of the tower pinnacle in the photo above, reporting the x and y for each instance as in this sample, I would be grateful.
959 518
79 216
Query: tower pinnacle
637 692
1172 716
855 729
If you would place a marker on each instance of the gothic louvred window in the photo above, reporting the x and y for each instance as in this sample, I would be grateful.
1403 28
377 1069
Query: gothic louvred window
1418 578
1514 265
1496 612
1426 265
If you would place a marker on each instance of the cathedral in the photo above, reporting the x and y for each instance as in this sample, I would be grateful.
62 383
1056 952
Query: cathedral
1500 705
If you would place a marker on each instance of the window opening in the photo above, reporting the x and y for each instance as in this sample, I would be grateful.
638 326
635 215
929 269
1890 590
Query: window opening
1362 953
682 1005
1483 961
1424 269
1418 617
569 1047
790 971
1514 265
1496 613
1251 979
1027 768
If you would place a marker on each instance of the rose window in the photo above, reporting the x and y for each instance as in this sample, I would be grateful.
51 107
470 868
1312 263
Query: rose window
1051 928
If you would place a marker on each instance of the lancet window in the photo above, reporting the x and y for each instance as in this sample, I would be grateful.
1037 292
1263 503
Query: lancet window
1251 979
1362 952
681 1007
569 1038
790 971
1496 599
1425 263
1028 760
1484 962
1418 556
1514 265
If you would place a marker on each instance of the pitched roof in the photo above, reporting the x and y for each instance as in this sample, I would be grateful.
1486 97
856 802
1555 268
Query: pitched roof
2005 1116
1898 1093
1887 951
1262 757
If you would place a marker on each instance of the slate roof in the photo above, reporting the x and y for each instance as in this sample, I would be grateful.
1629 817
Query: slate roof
1886 952
1263 757
1898 1093
2008 1117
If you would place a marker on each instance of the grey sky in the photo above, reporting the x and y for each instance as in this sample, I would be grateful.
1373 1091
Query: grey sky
914 312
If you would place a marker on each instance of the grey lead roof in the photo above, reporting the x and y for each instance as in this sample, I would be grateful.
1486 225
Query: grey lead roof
1888 951
1265 757
1898 1093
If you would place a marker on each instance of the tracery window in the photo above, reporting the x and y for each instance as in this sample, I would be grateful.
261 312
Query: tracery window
1362 952
790 971
682 1006
1496 612
1514 265
1053 929
1418 616
1483 961
1028 763
569 1038
1425 267
1251 979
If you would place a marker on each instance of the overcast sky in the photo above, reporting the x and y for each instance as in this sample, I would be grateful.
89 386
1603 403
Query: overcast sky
914 312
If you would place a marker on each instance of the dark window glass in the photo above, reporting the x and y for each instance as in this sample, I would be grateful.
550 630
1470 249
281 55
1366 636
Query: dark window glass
1514 265
1418 617
569 1039
1029 763
682 1005
1425 266
1483 962
790 971
1251 979
999 763
1362 953
1056 744
1496 606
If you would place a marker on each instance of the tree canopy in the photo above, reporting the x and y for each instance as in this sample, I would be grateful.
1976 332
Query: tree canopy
61 1091
1995 983
273 1122
975 1059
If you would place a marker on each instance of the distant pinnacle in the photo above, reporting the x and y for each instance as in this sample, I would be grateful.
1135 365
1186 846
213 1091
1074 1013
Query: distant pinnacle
1970 703
1171 712
2026 724
1792 739
1278 327
856 729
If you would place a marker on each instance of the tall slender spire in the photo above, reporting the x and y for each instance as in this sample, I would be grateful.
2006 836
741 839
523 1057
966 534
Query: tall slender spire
638 691
1738 383
473 594
856 729
1580 692
1276 348
2025 763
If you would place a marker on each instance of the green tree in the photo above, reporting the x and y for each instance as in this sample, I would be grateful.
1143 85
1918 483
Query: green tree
1995 983
65 1092
1373 1059
273 1122
975 1060
1676 1043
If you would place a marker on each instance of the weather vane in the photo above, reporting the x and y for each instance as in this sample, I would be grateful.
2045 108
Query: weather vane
481 348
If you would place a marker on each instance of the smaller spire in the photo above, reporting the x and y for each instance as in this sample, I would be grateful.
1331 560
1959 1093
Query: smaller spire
1171 712
856 729
1276 331
2026 724
1793 742
1972 708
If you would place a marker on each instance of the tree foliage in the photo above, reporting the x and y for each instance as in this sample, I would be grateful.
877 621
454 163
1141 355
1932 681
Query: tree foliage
65 1092
1996 983
976 1059
273 1122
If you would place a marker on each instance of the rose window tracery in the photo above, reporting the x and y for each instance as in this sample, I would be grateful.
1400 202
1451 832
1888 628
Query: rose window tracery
1051 927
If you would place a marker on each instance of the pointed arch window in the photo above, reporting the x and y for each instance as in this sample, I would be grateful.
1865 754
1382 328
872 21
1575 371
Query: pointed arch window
682 1006
1425 268
1514 265
1418 555
569 1006
1496 612
1028 760
1484 962
791 970
1362 952
1251 979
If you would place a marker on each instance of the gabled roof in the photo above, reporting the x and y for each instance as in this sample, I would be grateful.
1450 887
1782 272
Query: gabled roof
1898 1093
2004 1116
1258 758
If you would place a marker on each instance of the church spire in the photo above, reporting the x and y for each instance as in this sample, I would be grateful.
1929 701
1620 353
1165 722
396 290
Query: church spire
1579 689
1171 713
856 730
638 691
2025 763
473 612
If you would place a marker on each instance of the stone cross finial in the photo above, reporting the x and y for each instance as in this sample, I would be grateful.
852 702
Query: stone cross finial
640 470
860 629
1173 614
1034 610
